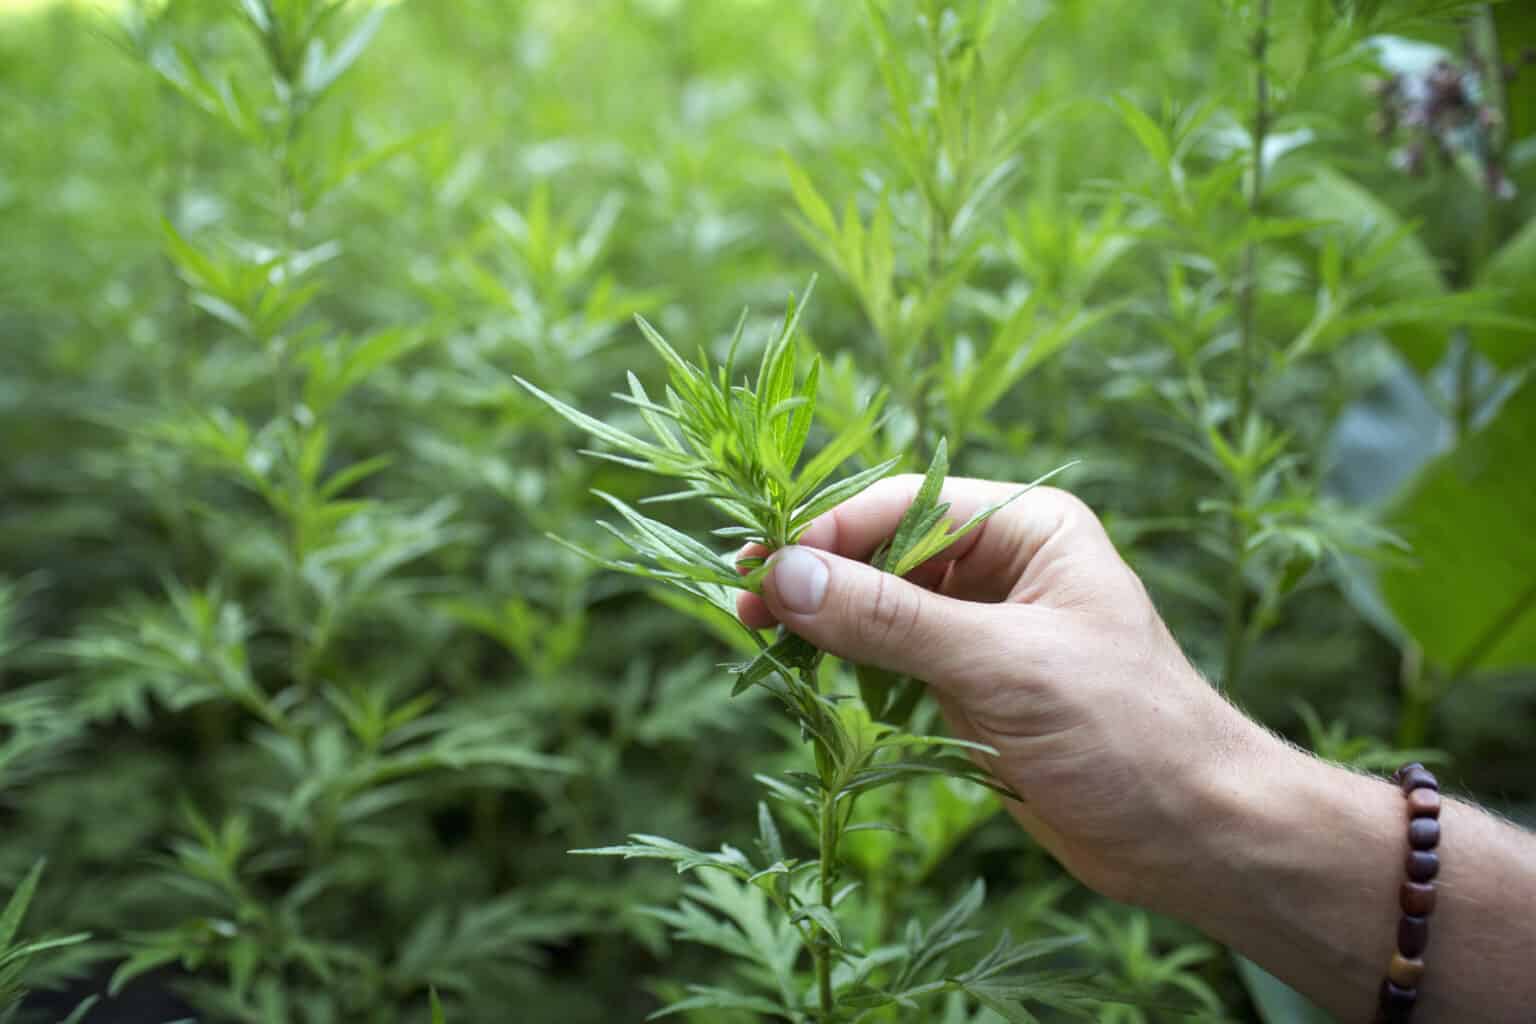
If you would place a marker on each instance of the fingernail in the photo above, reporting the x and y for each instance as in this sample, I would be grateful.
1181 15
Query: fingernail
800 580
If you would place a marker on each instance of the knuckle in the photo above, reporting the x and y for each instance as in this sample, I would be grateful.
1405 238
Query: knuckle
891 613
1067 505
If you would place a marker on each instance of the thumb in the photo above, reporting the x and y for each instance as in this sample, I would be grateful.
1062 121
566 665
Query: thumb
863 615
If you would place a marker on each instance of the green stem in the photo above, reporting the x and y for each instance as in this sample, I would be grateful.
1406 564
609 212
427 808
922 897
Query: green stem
1237 609
1413 719
1464 404
300 653
828 832
1247 301
1418 701
1248 291
827 870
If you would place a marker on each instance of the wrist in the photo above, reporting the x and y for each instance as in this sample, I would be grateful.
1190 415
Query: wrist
1293 862
1230 792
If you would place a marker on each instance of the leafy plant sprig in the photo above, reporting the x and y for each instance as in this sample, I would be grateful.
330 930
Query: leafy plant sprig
739 447
16 954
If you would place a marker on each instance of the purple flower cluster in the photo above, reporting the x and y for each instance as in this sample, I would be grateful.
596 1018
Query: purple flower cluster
1445 112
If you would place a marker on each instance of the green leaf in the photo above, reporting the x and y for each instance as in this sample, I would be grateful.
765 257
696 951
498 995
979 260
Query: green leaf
1511 271
1412 274
835 494
1276 1001
788 654
77 1015
919 514
322 69
768 834
1469 601
941 538
1152 137
16 907
648 847
596 427
837 451
876 688
823 918
705 998
812 205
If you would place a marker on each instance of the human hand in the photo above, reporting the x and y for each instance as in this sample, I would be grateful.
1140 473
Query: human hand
1040 642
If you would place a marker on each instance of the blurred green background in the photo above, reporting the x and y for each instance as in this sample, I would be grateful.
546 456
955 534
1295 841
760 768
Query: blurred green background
304 710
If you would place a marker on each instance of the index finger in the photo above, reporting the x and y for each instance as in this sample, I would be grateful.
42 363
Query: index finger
991 562
861 524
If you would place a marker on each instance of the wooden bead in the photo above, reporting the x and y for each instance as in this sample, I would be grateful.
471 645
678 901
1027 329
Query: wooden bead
1405 971
1416 776
1412 935
1423 833
1397 1002
1423 865
1424 803
1417 898
1399 990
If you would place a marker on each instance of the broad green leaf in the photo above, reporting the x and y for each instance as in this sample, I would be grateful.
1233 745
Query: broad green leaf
1469 601
1512 271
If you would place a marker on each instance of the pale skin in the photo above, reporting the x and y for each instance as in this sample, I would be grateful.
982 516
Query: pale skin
1039 641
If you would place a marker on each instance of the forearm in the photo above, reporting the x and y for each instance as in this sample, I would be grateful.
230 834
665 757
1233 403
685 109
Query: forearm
1297 864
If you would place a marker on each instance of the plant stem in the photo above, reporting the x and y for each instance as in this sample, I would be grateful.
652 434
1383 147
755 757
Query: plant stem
1237 594
1418 701
828 830
1247 297
292 212
1247 301
827 869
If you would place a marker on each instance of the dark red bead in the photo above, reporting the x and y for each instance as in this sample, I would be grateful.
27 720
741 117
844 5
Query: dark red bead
1412 935
1423 865
1423 833
1424 803
1417 898
1418 777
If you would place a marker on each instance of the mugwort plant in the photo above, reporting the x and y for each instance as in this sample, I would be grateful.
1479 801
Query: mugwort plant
737 445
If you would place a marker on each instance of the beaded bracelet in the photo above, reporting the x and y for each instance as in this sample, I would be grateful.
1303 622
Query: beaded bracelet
1400 988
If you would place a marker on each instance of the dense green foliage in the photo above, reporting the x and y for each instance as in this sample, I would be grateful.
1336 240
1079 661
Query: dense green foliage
305 709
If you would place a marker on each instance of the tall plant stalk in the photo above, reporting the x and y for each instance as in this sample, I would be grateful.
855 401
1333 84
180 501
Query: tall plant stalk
1247 301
